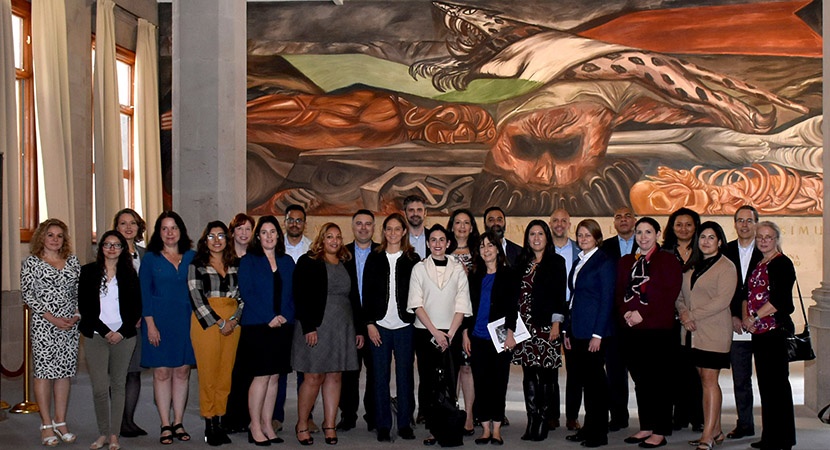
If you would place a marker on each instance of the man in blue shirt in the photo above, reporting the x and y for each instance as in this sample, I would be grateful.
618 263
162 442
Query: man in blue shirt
363 228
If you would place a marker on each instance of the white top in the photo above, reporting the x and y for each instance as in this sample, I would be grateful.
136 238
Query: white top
442 294
392 321
295 251
746 254
110 309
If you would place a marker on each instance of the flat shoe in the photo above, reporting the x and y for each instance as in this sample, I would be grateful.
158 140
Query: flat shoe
635 440
469 432
645 444
577 437
739 433
99 444
496 441
482 440
430 441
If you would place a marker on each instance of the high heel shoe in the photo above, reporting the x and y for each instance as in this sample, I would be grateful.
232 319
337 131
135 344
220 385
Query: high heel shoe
330 440
51 440
705 445
719 438
308 441
65 437
251 440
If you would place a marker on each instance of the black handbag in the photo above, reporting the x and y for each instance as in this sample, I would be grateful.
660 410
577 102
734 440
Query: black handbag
799 346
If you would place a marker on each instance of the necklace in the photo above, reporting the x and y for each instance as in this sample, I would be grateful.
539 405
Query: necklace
462 248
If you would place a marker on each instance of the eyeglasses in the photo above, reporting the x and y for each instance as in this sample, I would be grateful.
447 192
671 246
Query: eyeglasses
765 238
220 236
109 245
291 220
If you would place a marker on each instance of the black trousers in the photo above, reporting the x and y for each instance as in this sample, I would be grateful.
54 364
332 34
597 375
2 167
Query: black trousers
688 402
350 389
574 386
429 358
772 368
650 356
589 367
617 373
491 371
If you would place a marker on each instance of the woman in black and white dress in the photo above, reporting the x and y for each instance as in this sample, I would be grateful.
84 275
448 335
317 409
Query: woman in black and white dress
49 285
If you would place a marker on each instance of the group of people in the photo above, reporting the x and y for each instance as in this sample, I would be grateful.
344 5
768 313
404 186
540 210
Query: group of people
257 300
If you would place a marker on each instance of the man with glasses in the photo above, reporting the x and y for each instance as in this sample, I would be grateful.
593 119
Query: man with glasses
743 253
296 244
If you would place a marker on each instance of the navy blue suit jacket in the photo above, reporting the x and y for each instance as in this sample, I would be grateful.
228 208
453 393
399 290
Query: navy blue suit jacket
593 298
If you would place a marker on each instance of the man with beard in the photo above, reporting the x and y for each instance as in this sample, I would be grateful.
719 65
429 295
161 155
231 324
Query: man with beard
296 244
495 220
616 247
415 212
363 228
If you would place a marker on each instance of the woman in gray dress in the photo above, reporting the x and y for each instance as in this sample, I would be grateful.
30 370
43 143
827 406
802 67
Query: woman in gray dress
326 340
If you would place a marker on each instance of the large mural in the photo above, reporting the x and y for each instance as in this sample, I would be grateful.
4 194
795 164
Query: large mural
532 105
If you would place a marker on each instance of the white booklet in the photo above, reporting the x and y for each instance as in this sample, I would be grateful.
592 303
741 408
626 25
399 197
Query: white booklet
498 333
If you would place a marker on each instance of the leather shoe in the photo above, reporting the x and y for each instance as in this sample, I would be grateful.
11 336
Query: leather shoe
572 425
469 432
346 425
740 432
482 441
758 444
430 441
576 437
383 435
594 443
406 434
496 441
645 444
617 426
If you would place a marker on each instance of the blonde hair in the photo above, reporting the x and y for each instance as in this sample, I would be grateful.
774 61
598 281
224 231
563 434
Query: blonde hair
36 245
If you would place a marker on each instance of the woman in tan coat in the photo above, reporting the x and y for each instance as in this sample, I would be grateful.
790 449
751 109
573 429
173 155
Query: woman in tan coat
703 306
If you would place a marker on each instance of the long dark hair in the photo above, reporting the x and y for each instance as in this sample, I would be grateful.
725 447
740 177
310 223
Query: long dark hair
123 267
255 246
202 258
670 239
527 254
472 241
156 244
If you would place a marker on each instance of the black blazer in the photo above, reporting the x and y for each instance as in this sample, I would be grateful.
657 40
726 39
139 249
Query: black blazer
548 289
504 297
376 286
89 302
741 292
611 247
512 252
593 298
311 292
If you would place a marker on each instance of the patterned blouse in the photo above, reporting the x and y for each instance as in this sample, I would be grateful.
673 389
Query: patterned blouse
205 282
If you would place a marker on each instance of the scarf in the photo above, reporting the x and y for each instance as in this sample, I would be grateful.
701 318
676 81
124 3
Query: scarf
702 266
637 282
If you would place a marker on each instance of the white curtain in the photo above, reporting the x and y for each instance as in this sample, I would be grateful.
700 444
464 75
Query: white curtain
148 169
11 155
52 110
109 171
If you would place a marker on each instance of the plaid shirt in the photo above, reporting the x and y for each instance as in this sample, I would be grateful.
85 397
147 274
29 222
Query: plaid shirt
204 283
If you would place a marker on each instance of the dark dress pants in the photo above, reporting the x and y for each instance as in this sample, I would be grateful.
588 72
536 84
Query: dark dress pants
772 367
650 356
491 371
617 380
397 343
350 389
589 367
740 357
574 386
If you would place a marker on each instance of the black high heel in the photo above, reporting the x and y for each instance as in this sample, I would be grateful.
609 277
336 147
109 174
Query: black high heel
251 440
308 441
330 440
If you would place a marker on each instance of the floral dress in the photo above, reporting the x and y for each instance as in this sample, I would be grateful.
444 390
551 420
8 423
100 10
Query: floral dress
48 289
537 351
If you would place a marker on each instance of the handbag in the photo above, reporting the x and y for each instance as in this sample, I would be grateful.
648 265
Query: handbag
799 346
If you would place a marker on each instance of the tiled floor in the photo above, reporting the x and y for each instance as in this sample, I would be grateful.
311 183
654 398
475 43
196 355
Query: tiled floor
21 431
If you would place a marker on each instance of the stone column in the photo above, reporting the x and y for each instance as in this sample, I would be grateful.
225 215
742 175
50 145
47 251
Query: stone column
209 70
817 373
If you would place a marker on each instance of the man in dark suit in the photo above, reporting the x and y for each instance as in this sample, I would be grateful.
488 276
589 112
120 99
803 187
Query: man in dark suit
494 219
615 247
560 225
363 228
743 253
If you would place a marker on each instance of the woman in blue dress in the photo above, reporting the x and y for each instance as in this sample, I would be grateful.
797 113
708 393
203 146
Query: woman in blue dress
165 330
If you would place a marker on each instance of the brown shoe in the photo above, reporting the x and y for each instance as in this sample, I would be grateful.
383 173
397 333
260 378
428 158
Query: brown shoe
573 425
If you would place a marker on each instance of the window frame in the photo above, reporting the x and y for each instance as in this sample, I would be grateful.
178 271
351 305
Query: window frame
27 143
